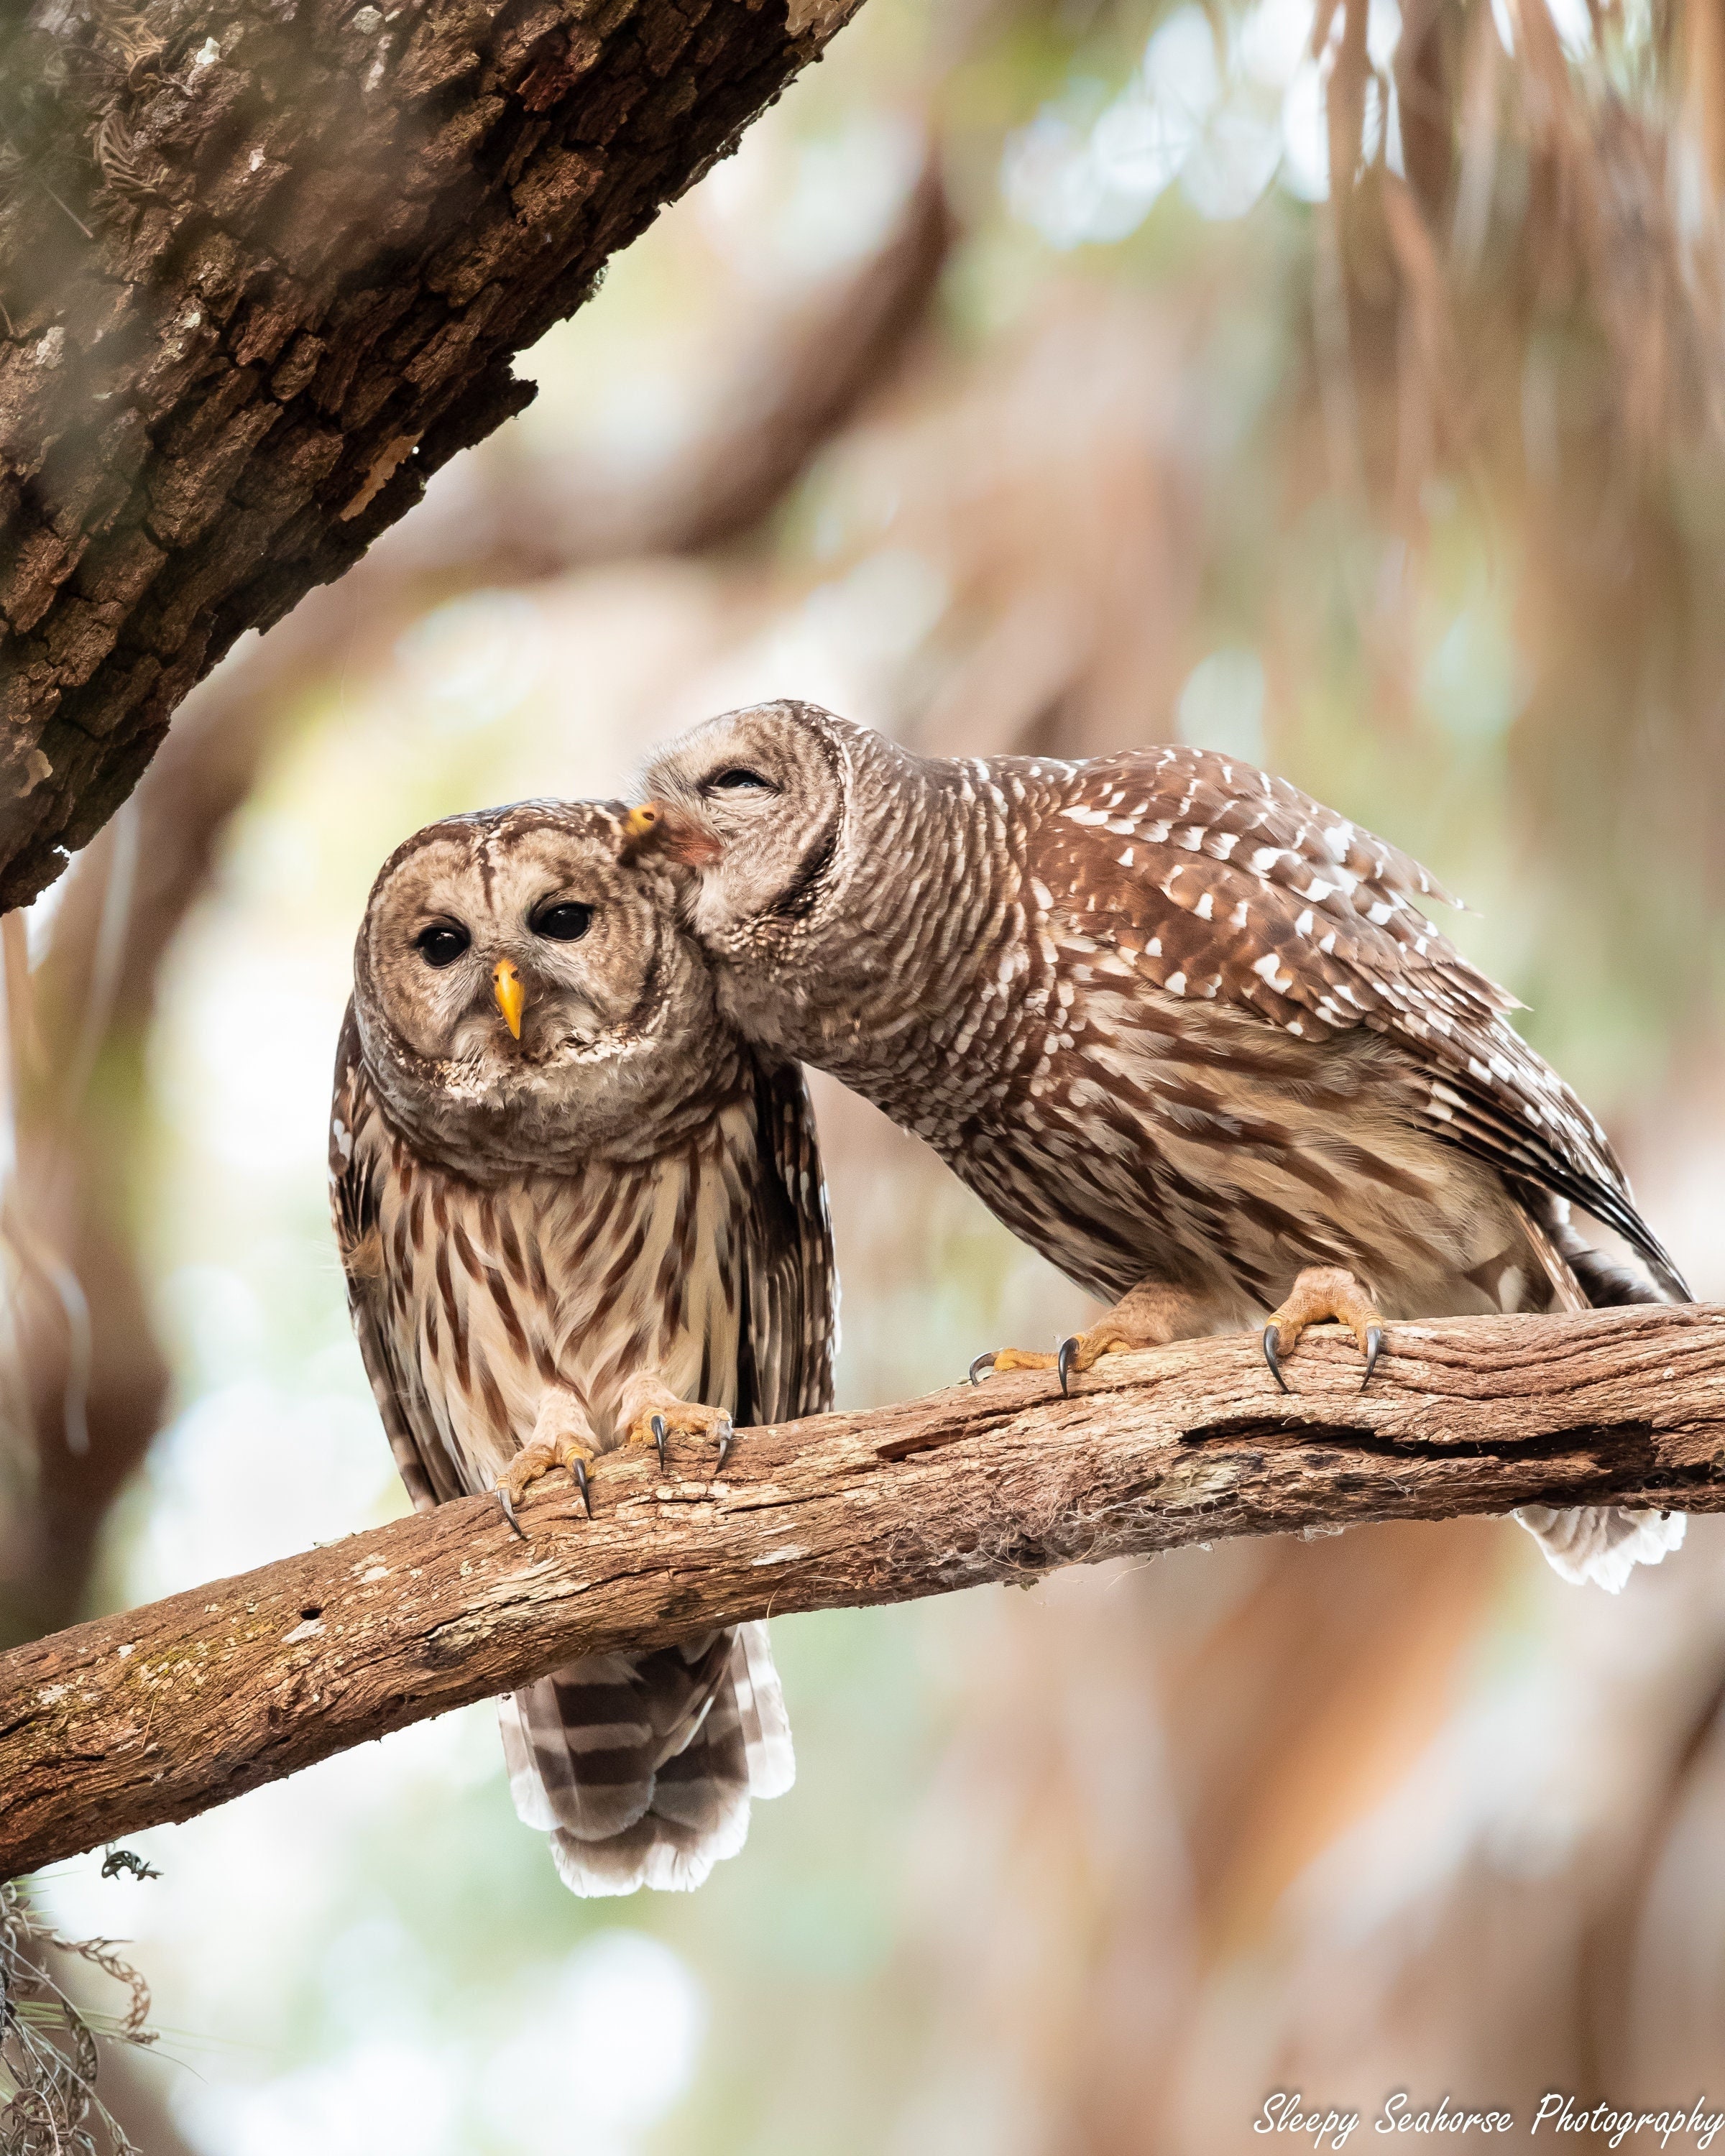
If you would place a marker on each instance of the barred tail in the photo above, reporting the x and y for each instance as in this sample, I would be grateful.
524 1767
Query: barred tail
1600 1545
641 1768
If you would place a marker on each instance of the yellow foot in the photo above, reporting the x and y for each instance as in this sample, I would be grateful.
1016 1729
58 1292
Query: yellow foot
537 1457
1077 1352
1320 1293
665 1414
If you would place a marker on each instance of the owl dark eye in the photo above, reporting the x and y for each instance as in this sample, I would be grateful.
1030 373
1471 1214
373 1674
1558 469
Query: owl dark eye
443 943
566 922
736 779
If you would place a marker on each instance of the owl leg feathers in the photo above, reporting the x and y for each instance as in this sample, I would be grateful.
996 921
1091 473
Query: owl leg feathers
563 1437
651 1412
1149 1315
1321 1292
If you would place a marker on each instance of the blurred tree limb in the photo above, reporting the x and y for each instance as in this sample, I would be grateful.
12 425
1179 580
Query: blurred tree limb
507 519
165 1711
264 265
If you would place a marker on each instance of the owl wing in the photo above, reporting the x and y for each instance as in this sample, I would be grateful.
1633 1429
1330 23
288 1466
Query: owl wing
358 1160
788 1299
1216 881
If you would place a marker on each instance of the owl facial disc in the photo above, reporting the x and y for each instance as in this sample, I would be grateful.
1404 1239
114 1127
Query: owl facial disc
756 802
524 991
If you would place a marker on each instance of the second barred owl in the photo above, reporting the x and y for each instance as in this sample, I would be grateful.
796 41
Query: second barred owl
576 1211
1187 1033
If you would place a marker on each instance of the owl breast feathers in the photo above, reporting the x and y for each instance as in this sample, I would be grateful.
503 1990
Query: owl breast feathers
575 1212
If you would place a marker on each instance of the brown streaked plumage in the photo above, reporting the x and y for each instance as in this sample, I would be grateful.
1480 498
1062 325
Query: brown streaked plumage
575 1211
1186 1032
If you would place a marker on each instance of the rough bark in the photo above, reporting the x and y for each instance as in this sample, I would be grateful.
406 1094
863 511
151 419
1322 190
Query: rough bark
166 1710
262 267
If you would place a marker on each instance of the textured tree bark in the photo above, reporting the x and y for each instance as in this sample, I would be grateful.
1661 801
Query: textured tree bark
262 267
166 1710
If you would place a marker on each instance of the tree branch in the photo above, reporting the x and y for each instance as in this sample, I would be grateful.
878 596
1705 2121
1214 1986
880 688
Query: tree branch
264 265
163 1712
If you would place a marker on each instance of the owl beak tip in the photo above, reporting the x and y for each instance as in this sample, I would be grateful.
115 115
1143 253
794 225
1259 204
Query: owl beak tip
507 987
677 835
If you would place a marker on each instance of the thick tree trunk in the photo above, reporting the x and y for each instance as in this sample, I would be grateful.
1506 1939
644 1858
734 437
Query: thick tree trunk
165 1711
262 267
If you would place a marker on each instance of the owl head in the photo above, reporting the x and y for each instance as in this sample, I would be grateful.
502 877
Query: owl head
524 994
777 810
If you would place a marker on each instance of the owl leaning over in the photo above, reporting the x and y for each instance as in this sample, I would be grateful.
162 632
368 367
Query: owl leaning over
1184 1030
576 1212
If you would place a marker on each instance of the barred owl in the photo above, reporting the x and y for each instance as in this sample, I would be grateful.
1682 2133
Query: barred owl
576 1211
1185 1031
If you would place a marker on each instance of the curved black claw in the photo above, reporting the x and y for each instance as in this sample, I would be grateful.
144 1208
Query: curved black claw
658 1440
579 1470
981 1362
1063 1362
725 1435
1272 1356
1374 1348
502 1494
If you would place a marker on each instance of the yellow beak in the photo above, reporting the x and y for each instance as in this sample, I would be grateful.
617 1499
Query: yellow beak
679 837
507 987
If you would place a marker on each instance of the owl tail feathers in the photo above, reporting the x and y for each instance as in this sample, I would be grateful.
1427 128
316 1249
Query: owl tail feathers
641 1768
1601 1545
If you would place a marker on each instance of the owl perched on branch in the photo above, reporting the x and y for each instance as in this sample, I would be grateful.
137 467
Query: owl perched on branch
1187 1033
577 1212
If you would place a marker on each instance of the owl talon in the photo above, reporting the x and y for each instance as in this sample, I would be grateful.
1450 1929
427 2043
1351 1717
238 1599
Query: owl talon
661 1416
539 1456
1076 1351
1319 1294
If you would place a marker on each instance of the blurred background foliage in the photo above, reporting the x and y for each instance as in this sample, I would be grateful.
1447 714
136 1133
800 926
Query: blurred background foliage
1341 388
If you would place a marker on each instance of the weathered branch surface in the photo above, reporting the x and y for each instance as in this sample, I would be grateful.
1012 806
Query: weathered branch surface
169 1709
262 267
